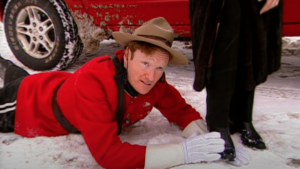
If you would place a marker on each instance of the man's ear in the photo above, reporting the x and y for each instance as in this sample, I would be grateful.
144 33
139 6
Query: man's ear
126 56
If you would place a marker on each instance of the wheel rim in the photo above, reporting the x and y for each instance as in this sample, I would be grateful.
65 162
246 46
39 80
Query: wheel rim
36 32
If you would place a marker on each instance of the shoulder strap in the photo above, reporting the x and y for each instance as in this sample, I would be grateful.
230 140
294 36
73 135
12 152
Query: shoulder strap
61 118
120 81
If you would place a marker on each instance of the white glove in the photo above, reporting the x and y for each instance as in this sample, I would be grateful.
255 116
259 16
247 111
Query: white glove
242 157
203 147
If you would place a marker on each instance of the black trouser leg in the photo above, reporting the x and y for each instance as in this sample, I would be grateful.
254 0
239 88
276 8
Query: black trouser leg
8 101
12 76
240 114
221 83
241 106
9 71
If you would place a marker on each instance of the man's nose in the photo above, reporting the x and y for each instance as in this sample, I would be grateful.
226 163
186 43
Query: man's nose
150 75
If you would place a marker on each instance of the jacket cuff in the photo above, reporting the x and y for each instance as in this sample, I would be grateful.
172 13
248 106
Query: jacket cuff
163 156
197 125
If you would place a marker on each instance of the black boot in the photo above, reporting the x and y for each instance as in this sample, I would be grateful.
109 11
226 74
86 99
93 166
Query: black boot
250 137
229 152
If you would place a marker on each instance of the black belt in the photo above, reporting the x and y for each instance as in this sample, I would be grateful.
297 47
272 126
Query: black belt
61 118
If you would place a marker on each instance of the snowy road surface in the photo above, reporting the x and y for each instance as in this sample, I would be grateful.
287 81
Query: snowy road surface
276 117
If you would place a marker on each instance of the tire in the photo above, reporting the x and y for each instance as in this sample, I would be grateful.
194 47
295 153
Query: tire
42 34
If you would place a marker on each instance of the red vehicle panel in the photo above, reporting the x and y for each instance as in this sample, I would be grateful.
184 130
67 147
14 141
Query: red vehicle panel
291 18
61 44
132 13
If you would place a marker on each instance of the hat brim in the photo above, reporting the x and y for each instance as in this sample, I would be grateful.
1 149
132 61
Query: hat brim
125 38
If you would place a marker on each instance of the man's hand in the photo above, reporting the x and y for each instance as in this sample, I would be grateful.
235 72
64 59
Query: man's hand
268 5
204 147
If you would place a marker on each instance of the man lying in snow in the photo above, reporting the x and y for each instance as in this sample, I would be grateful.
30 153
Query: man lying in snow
101 97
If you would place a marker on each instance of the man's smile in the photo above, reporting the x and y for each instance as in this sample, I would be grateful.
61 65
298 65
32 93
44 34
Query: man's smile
146 83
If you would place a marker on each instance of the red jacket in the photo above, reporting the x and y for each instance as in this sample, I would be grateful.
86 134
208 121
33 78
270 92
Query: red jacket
88 99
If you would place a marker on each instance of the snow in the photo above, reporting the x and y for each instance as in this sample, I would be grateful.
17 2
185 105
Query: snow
276 117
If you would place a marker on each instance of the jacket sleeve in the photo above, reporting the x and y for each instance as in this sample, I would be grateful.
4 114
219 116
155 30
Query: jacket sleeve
164 156
95 118
173 106
195 126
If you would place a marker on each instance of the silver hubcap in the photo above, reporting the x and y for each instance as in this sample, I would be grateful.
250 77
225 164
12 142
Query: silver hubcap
35 32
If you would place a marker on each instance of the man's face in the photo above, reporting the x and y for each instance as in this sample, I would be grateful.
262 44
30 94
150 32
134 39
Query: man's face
143 70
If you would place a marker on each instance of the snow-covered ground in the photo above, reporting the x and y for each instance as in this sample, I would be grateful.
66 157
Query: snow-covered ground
276 117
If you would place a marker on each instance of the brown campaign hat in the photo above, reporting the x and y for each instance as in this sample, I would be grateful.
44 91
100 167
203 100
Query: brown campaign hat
156 31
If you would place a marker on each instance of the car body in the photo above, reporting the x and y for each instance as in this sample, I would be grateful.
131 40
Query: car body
132 13
51 40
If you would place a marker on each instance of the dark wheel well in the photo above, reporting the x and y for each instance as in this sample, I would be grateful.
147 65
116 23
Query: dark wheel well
3 3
